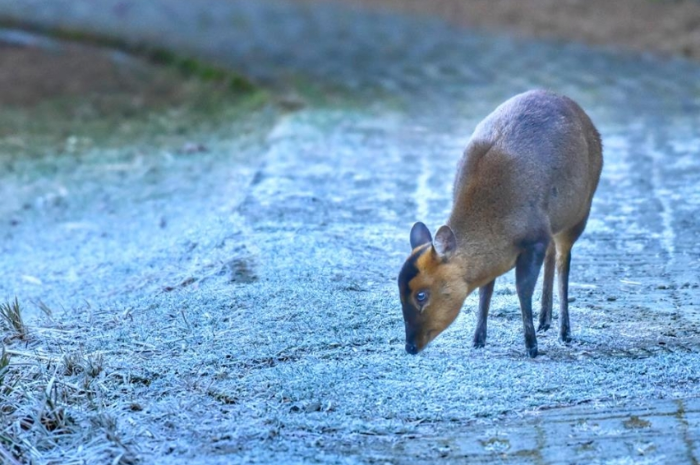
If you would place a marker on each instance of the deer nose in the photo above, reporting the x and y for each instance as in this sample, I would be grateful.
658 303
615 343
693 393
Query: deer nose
411 348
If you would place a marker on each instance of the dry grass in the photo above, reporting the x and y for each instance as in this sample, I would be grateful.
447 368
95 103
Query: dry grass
11 320
54 396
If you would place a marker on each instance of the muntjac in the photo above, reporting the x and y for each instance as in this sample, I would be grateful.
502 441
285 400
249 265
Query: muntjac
522 196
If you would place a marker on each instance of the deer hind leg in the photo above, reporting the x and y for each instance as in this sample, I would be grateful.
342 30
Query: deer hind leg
485 293
563 265
547 288
565 243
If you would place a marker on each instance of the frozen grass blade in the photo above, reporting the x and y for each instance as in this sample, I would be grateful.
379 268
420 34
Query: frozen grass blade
7 457
4 363
11 319
6 407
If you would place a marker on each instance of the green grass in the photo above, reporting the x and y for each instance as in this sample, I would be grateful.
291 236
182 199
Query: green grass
189 66
70 126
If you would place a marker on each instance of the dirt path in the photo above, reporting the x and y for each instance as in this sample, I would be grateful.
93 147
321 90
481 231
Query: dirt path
664 27
281 338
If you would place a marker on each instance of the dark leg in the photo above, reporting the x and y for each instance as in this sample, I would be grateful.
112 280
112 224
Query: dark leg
547 288
527 268
564 246
563 263
485 293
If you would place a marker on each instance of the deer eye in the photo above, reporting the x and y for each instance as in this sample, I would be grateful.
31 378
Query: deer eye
421 297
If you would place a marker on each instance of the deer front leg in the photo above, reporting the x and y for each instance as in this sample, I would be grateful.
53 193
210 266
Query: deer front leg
527 269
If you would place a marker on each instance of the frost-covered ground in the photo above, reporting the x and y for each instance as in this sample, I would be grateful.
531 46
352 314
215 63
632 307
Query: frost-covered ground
226 291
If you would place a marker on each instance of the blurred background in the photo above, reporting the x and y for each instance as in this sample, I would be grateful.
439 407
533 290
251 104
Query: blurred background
669 28
663 26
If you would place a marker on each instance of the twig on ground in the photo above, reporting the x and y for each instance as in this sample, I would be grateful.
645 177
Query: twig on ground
31 355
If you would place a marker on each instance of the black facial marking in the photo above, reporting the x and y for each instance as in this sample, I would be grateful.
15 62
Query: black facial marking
410 271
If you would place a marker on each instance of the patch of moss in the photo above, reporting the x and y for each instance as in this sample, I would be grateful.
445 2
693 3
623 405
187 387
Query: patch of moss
187 65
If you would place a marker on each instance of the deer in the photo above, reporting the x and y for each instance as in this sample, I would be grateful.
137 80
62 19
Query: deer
522 197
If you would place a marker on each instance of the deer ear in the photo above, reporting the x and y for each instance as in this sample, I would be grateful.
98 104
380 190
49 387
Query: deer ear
420 235
445 242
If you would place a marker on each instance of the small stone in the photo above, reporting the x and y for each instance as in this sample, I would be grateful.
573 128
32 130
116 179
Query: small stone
313 406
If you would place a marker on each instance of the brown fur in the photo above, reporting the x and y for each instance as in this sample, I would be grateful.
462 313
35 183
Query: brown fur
526 181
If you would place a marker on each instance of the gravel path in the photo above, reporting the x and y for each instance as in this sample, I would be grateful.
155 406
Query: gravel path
320 229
